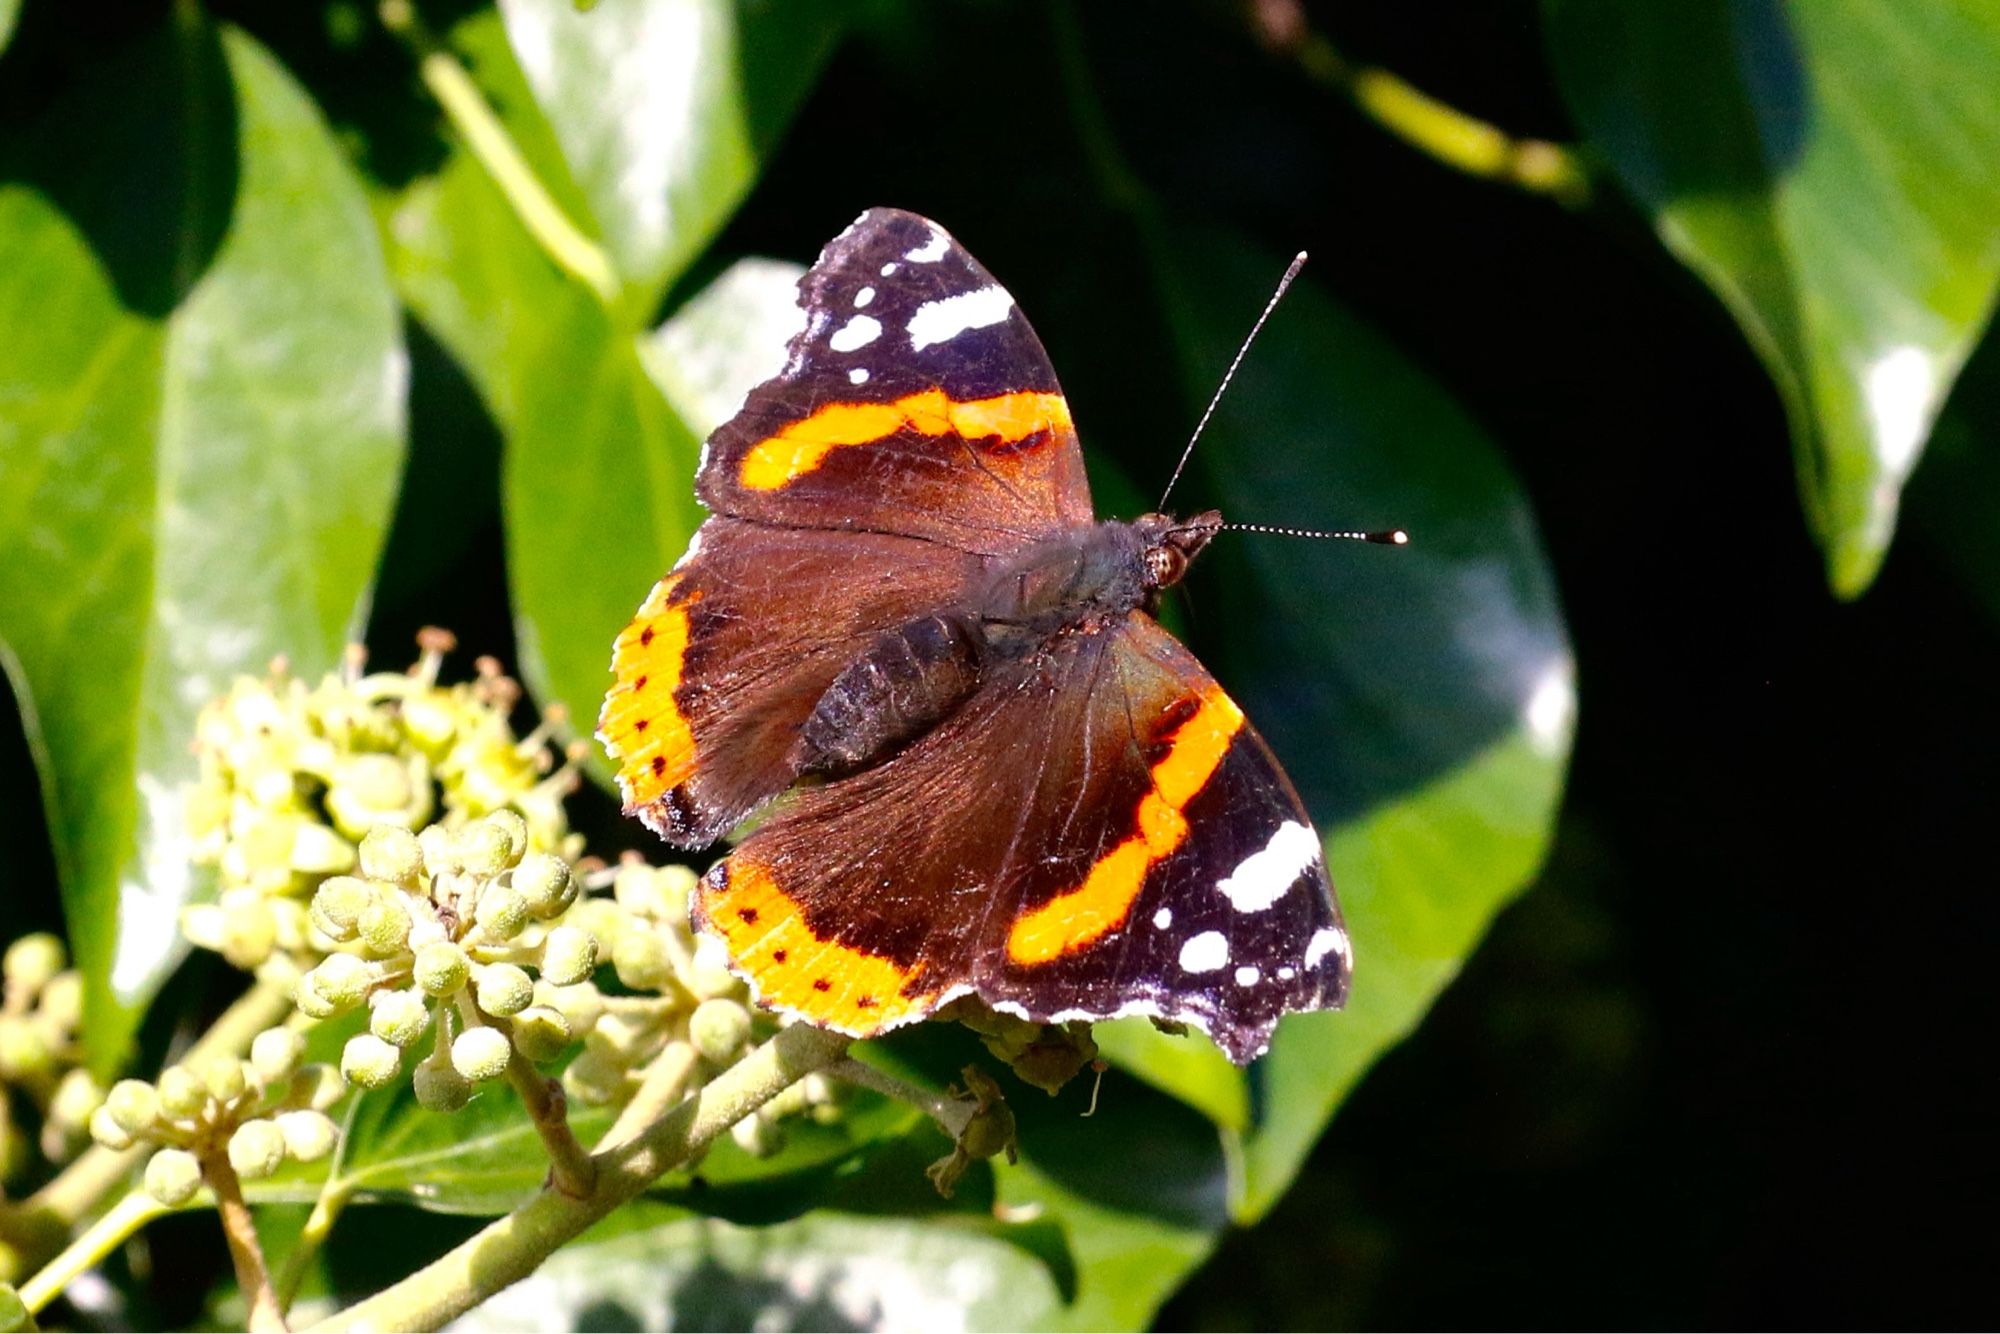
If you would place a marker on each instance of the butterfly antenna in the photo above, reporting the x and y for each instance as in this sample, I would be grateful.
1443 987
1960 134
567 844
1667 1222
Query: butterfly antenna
1298 263
1391 537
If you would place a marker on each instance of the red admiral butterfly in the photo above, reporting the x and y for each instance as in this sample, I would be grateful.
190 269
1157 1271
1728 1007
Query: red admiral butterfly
1012 783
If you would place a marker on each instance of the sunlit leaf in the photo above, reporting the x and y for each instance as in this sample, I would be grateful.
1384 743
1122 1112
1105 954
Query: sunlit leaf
665 110
1832 171
1421 697
201 425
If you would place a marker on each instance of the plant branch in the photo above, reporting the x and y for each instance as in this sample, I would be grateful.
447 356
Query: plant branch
571 1170
239 1229
90 1247
951 1114
665 1083
1433 127
511 1248
450 83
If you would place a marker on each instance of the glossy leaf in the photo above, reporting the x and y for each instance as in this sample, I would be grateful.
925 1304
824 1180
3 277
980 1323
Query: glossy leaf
665 110
1832 171
10 14
596 477
1421 696
729 338
202 429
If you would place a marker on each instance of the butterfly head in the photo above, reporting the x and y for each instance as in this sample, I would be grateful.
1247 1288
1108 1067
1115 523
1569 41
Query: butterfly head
1172 544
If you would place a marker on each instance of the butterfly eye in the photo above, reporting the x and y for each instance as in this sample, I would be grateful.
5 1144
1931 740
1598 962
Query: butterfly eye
1164 566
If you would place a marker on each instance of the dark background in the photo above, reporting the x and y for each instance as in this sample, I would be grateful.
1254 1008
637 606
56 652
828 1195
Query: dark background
1729 1061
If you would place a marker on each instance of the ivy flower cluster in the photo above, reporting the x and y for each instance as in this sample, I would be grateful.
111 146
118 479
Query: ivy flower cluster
41 1005
439 934
293 778
253 1116
692 1013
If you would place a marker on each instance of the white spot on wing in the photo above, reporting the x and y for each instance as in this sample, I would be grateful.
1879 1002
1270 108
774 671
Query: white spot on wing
941 321
1205 953
890 268
859 375
931 251
1287 973
863 297
1164 918
1327 940
1262 878
858 332
1247 975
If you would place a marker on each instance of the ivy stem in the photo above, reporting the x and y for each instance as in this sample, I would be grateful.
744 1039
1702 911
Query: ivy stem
951 1114
466 107
1431 126
88 1250
332 1199
572 1171
665 1083
510 1249
239 1229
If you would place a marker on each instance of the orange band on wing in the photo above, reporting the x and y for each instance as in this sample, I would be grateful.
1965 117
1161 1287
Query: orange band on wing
1073 920
802 446
824 981
641 725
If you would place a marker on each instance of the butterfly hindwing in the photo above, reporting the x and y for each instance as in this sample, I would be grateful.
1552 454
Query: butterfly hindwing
1056 849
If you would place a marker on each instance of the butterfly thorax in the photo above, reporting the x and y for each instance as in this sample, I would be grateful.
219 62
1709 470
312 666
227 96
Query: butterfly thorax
911 677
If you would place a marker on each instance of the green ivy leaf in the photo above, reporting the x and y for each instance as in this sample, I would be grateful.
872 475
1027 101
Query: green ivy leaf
665 110
729 338
1421 697
10 14
1832 171
199 443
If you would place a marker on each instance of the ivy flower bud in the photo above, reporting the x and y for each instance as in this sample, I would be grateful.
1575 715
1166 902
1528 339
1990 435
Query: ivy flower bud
569 956
75 1098
641 959
442 968
173 1176
309 1136
134 1105
257 1149
710 975
484 845
594 1078
33 961
182 1096
510 823
223 1077
642 890
501 912
275 1053
249 928
341 980
719 1028
758 1136
440 1088
504 990
337 905
25 1054
317 850
62 1000
376 788
581 1005
440 850
390 852
481 1053
545 882
540 1033
385 926
368 1061
106 1131
398 1017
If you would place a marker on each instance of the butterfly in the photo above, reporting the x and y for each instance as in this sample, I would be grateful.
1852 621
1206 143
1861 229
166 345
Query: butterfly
1007 779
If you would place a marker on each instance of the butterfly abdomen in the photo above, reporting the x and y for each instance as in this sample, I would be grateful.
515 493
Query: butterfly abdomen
909 679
